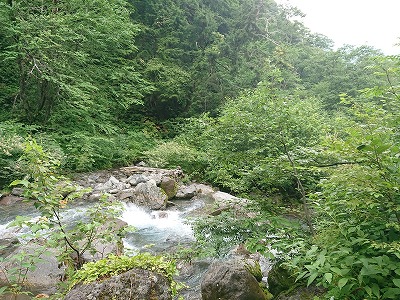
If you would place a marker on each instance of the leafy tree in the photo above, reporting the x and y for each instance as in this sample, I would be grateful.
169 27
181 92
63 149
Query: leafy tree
356 252
211 50
256 132
71 61
327 74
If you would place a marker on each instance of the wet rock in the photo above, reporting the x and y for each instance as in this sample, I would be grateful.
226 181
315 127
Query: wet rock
104 247
7 246
103 186
303 293
136 284
162 215
114 191
95 197
157 177
125 194
113 180
111 185
47 274
150 195
135 179
219 211
280 280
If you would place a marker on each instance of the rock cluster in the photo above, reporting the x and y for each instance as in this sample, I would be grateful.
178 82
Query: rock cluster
151 188
143 186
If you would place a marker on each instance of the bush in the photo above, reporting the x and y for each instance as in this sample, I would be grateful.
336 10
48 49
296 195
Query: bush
173 154
12 137
87 151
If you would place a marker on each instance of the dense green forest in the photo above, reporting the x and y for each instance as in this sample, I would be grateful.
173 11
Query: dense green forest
239 95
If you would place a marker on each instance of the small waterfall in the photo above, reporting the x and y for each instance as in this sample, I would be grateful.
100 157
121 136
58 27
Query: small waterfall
156 231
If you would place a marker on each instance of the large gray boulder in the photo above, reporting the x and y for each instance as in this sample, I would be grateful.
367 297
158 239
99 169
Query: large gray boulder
49 271
148 194
44 277
194 189
230 280
136 284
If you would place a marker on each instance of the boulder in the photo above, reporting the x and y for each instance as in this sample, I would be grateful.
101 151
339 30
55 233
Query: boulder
95 196
219 211
189 191
280 280
7 246
135 284
10 200
126 195
49 271
169 186
17 191
223 198
47 274
148 194
135 179
302 293
103 186
230 280
104 247
112 183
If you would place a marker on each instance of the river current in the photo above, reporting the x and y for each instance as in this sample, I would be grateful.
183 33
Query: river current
158 232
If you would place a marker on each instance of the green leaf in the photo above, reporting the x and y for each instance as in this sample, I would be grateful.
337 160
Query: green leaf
25 183
369 290
336 270
376 290
342 282
301 275
368 270
328 277
2 289
392 293
396 281
312 278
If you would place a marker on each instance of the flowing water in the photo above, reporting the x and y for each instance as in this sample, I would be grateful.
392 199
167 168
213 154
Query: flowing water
156 232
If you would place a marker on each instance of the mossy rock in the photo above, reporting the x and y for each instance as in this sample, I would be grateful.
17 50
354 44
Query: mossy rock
255 270
280 280
169 186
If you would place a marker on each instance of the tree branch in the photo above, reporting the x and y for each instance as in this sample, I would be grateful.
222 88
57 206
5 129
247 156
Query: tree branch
300 187
66 239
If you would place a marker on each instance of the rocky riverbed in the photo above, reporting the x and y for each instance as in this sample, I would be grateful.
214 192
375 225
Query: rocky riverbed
157 203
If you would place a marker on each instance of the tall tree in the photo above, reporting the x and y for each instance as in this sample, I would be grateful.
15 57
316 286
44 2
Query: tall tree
71 60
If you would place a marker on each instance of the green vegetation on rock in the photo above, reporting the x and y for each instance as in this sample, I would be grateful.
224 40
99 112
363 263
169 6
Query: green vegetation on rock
115 265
